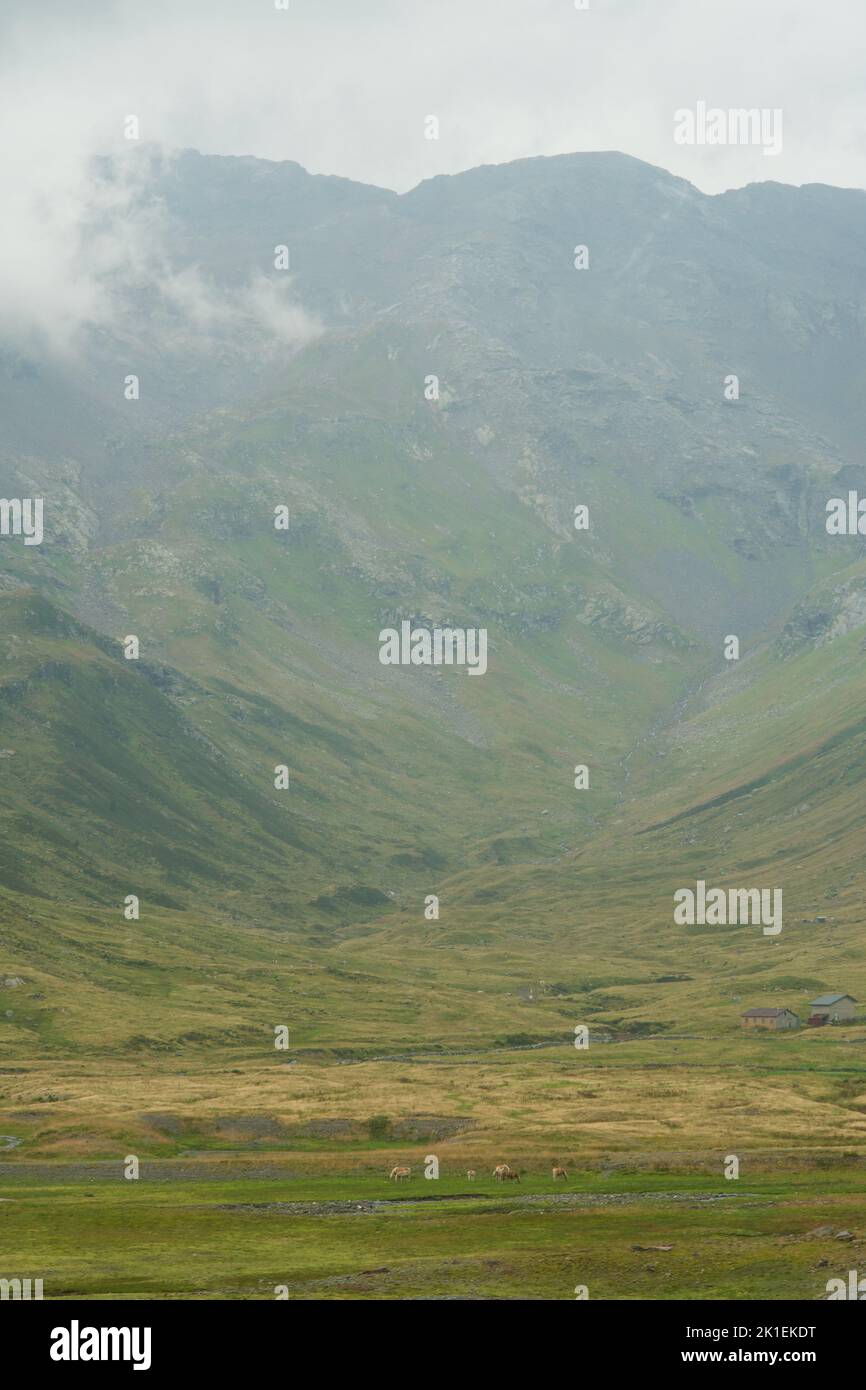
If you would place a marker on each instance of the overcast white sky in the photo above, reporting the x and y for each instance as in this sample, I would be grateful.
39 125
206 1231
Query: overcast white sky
345 86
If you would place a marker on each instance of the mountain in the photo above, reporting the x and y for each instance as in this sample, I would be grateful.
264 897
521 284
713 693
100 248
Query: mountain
432 389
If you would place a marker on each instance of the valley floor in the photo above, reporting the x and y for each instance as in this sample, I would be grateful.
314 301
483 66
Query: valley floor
220 1231
264 1182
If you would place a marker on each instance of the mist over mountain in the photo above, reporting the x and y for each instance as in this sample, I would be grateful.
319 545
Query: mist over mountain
446 502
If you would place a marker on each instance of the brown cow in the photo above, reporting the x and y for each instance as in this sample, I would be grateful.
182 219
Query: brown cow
398 1173
559 1173
511 1176
500 1170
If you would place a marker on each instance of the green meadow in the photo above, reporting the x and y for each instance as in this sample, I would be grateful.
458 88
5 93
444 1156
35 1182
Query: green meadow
221 1236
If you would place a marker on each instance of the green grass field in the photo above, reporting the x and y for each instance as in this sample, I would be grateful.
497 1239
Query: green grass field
215 1234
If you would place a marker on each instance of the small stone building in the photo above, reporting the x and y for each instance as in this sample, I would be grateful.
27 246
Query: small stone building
832 1008
770 1018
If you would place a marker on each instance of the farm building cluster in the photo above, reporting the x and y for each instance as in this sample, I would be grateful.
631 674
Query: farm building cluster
827 1008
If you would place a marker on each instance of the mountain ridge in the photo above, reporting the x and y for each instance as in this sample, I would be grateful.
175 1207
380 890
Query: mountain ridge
555 387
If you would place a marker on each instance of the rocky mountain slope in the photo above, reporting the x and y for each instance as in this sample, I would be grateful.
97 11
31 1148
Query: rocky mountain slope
432 388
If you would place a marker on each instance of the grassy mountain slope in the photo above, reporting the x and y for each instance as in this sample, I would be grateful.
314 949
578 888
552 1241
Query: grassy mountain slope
557 387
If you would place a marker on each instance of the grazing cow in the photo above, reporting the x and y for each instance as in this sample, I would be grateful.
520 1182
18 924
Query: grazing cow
511 1176
500 1170
560 1173
398 1173
471 1175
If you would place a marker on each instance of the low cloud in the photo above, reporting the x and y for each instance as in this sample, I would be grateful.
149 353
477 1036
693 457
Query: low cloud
259 313
346 89
87 239
90 242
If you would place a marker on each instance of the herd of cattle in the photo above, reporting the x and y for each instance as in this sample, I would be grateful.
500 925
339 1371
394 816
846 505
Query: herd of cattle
502 1173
